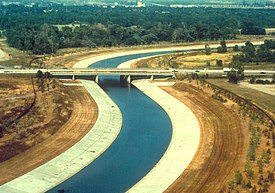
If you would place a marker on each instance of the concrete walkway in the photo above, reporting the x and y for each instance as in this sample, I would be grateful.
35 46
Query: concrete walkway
183 146
101 136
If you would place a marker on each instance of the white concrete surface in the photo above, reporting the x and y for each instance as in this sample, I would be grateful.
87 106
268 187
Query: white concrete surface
88 62
182 148
184 143
101 136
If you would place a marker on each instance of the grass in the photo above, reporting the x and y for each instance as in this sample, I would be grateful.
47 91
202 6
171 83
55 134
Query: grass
200 59
264 100
17 57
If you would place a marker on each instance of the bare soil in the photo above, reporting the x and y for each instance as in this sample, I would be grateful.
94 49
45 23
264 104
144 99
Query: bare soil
222 147
27 120
59 118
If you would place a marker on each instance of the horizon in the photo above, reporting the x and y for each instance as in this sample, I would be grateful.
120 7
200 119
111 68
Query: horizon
148 1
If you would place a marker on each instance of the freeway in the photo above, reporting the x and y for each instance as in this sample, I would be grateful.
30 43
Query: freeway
128 71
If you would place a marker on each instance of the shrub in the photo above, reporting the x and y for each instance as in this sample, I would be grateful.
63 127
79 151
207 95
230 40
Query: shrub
238 177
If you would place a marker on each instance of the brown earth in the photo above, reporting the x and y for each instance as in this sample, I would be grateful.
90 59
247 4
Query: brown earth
30 118
223 144
52 135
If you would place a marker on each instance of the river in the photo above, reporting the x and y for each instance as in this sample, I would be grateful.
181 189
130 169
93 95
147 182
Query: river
144 138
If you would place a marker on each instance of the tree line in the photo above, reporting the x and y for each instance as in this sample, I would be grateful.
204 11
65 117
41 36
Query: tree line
265 53
35 29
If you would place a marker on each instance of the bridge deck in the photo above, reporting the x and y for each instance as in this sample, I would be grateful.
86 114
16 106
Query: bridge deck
124 71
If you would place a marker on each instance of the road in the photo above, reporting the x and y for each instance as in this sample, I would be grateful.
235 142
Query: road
128 71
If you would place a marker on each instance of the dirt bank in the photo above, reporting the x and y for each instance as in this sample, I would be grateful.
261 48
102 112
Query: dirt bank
223 143
83 115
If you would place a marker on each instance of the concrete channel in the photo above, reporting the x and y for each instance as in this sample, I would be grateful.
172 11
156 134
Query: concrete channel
101 136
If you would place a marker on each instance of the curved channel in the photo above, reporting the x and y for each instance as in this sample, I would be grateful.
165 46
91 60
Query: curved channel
144 138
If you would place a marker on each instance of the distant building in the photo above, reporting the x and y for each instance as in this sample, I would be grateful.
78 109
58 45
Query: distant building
18 67
270 3
140 3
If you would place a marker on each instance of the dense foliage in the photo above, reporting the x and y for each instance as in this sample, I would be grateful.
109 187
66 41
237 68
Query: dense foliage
35 29
265 53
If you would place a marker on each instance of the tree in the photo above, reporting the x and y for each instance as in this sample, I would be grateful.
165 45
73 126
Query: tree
223 47
248 185
273 138
266 157
249 28
248 170
271 176
252 80
207 49
235 75
39 74
40 80
178 35
150 38
236 48
249 51
208 63
219 63
260 164
238 177
48 75
254 189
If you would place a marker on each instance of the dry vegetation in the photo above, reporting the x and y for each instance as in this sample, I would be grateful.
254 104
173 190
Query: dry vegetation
231 157
186 60
258 171
58 120
27 120
222 146
14 56
195 59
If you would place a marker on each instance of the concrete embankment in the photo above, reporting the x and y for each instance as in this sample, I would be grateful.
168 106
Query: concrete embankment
184 143
101 136
86 63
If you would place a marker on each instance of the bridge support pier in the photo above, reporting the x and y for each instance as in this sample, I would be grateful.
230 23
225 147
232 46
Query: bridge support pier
96 79
129 79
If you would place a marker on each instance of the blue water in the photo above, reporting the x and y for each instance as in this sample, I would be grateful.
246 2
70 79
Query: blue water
145 136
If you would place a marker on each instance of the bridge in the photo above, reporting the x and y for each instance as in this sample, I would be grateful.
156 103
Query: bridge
126 73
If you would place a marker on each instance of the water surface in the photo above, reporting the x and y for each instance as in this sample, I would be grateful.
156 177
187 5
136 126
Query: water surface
144 138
